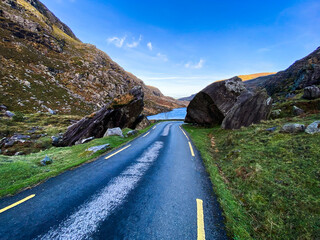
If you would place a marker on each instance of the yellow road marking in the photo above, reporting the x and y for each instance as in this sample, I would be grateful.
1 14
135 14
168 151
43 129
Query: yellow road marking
16 203
118 152
154 127
146 134
191 149
200 221
184 133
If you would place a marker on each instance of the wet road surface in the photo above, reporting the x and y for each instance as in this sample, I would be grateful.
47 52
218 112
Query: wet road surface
147 189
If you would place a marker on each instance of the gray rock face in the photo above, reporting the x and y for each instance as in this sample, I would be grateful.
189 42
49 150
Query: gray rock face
211 105
292 128
248 110
313 128
110 116
297 111
311 92
46 161
113 132
142 123
98 148
9 114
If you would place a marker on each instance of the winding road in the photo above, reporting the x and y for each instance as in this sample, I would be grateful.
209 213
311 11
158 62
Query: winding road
155 187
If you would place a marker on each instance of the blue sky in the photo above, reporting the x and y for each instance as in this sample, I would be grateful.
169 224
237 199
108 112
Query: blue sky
182 46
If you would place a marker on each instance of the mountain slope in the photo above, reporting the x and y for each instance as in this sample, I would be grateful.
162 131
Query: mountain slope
43 65
300 74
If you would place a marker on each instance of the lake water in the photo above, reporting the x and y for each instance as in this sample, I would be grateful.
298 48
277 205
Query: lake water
178 113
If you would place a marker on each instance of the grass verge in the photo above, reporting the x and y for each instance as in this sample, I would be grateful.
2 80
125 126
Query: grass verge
268 183
20 172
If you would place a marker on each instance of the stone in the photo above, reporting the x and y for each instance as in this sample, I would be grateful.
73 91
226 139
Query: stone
113 132
311 92
142 122
19 153
3 107
313 128
85 140
297 111
56 140
272 129
46 161
292 128
110 116
98 148
9 143
52 112
275 113
132 133
248 111
210 106
9 114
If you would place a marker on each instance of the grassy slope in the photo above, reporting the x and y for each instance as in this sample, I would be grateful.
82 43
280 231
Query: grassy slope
268 183
20 172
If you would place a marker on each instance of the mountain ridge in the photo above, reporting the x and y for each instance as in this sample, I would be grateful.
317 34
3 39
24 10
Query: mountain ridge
44 65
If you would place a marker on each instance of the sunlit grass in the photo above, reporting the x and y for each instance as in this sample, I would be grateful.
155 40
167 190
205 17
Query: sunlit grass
268 184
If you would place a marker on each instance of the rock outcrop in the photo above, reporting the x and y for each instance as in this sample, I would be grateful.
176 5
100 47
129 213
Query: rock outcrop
311 92
123 112
248 110
302 73
211 105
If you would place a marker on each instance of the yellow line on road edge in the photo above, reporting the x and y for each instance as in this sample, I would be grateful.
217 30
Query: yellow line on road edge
146 134
118 152
16 203
200 221
184 133
154 127
191 149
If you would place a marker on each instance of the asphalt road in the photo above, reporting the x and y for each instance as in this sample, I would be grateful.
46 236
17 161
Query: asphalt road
148 189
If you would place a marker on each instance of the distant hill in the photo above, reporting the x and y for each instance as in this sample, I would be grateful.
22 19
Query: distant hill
187 98
44 65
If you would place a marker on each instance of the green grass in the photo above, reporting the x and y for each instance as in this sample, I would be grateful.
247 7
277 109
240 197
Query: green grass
20 172
268 184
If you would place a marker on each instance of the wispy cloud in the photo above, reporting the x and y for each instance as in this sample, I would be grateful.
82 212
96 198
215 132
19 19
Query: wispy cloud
195 65
162 57
135 43
118 42
263 50
149 45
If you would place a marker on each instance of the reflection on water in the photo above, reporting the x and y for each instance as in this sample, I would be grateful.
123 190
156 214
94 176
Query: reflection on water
178 113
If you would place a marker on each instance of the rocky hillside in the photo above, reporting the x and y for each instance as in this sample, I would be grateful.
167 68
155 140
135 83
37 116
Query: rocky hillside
304 72
43 65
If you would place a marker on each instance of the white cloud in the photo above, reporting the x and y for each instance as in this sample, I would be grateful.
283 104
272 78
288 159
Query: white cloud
149 45
162 57
118 42
195 66
262 50
134 43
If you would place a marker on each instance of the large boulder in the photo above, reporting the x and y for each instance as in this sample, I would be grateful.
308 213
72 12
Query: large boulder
311 92
250 108
122 112
211 105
